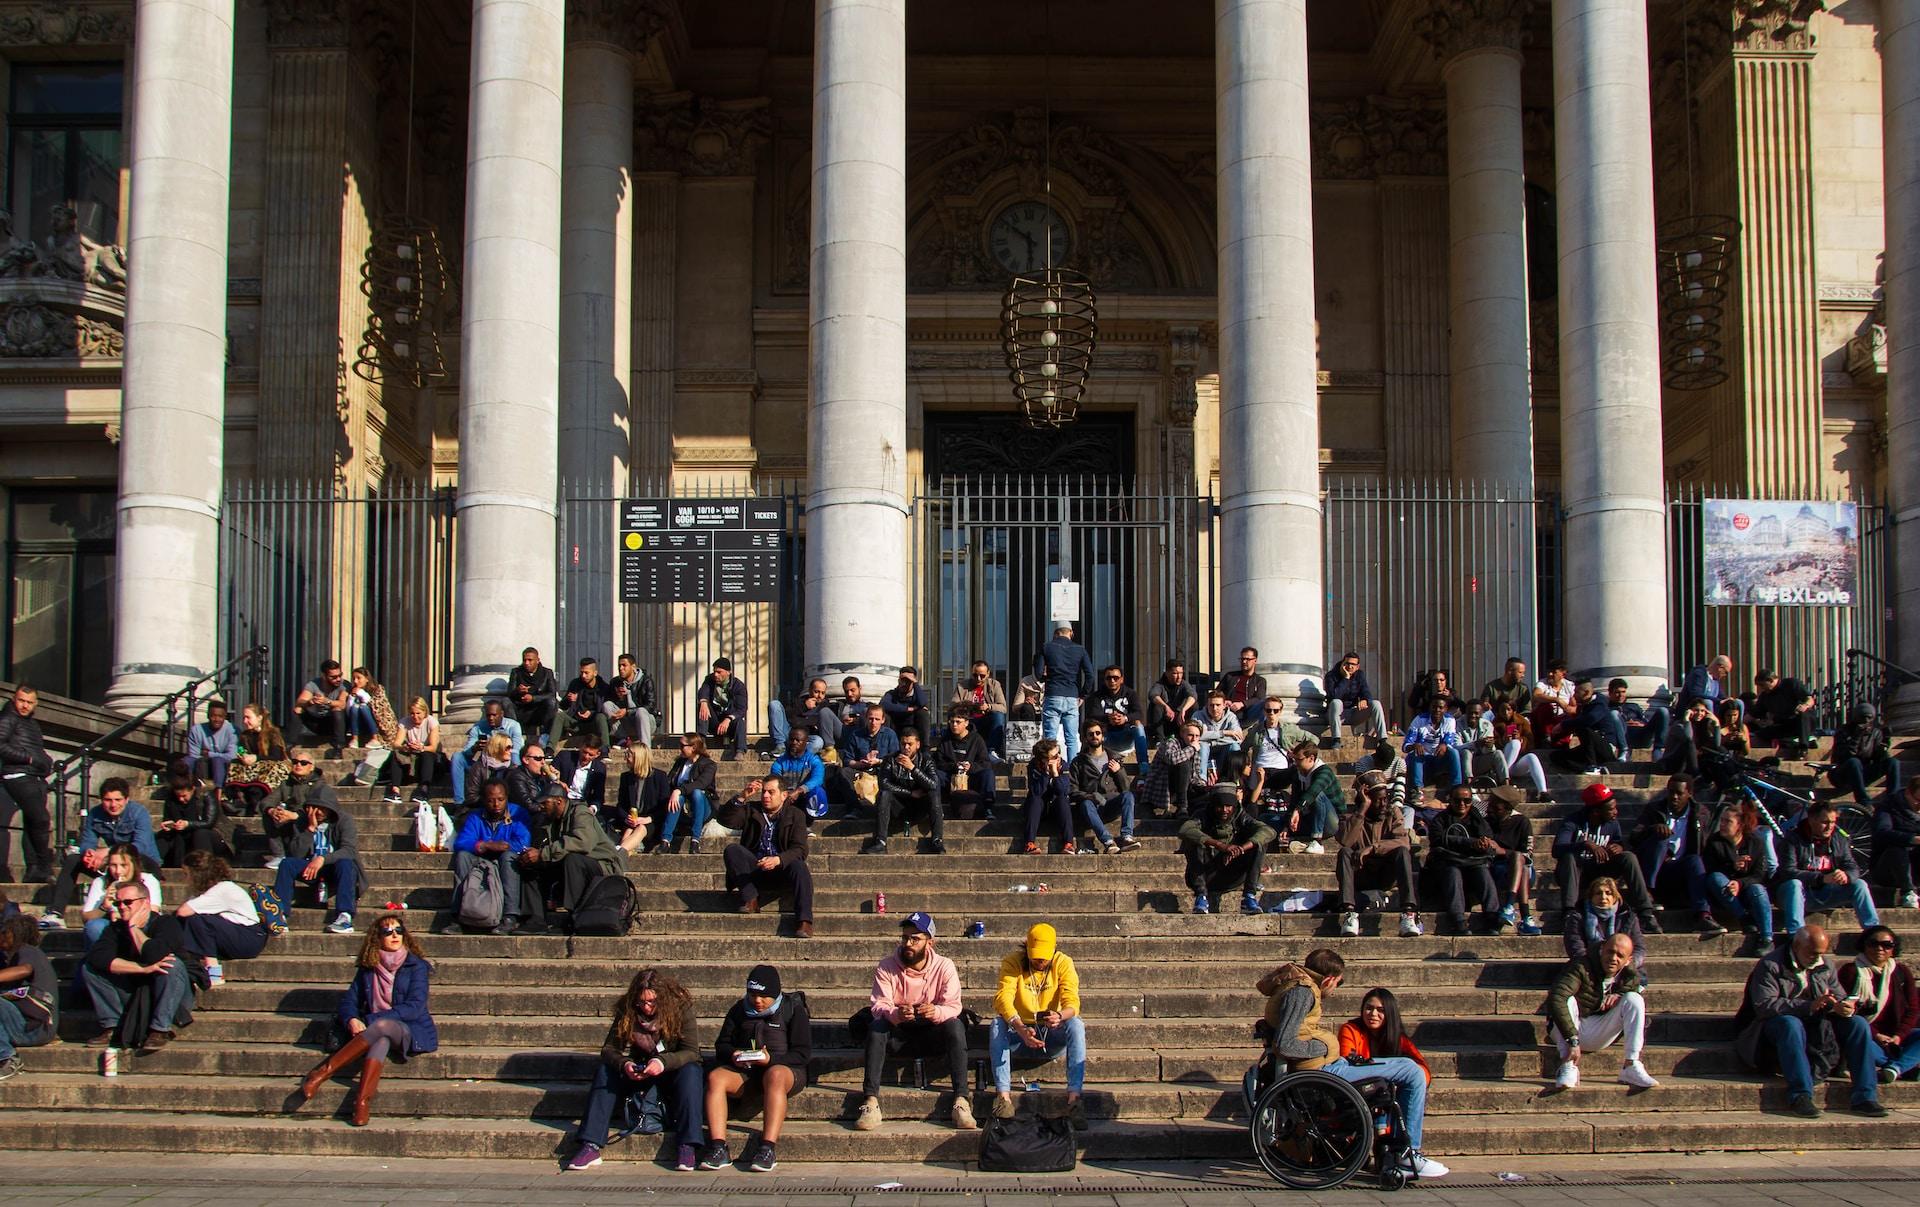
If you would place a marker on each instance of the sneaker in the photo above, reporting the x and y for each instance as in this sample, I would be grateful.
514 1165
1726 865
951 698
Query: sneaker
716 1156
52 921
1350 924
962 1115
1569 1076
1129 843
1201 905
1888 1075
342 924
1077 1115
685 1158
1803 1106
1650 924
1870 1107
1112 848
1003 1106
874 846
936 846
215 973
869 1116
1635 1074
272 864
1033 848
393 797
586 1158
10 1067
1509 914
1910 900
1069 848
1250 903
1426 1167
762 1160
1316 848
1296 847
693 846
1529 928
1410 927
1710 925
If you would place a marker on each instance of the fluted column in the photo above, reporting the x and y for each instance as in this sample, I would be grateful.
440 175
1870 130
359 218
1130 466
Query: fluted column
1271 593
509 345
1900 109
173 384
856 589
1611 464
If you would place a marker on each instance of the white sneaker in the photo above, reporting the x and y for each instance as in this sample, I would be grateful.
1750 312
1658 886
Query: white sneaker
1569 1075
869 1116
1426 1167
342 925
1350 923
52 921
1910 901
1635 1074
272 865
1315 848
1296 847
1410 927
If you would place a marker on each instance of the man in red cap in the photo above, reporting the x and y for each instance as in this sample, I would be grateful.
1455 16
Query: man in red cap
1592 843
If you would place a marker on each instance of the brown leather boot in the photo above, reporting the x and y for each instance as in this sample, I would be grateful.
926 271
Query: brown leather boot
349 1052
369 1086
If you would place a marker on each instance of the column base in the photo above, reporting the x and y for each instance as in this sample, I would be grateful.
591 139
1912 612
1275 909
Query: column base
471 688
138 688
1301 688
867 672
1903 711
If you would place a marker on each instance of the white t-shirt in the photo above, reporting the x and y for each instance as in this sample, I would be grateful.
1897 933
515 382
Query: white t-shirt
97 891
227 900
1563 693
1271 752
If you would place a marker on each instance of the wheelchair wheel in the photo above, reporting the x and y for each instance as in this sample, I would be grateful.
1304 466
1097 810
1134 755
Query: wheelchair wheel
1393 1178
1312 1130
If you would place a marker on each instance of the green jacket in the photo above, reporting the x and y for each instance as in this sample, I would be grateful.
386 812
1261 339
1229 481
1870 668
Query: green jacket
577 832
1582 982
1238 827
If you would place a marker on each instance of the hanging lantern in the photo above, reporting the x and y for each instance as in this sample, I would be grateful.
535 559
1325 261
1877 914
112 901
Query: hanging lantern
1049 326
404 279
1696 267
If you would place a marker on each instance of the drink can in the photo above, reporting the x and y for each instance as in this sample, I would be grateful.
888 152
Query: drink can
976 930
879 903
110 1063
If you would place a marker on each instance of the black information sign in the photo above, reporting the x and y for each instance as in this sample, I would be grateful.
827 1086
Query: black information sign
701 550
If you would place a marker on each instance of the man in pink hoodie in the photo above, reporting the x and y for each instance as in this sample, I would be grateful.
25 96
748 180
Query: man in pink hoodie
916 1009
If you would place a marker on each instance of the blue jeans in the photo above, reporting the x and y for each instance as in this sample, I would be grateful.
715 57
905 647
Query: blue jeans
692 801
1137 734
1655 857
1903 1059
112 991
459 772
1786 1035
1447 762
685 1089
1853 775
1752 903
14 1032
1653 734
1372 721
360 721
993 727
778 727
93 928
1060 720
1410 1087
343 876
1070 1037
1795 900
1091 807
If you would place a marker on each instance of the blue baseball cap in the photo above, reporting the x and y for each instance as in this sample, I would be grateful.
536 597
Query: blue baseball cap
919 920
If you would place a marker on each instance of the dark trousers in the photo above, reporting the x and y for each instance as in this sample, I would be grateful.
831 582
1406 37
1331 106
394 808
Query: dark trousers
1796 728
222 938
27 797
685 1089
425 769
1850 775
1894 866
981 786
1062 812
535 718
916 1038
213 768
574 876
907 808
343 875
736 735
1355 870
504 867
793 879
1572 875
176 845
327 725
1683 877
1209 871
74 873
1454 886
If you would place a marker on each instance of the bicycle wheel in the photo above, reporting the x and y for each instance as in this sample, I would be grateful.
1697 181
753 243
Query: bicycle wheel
1312 1130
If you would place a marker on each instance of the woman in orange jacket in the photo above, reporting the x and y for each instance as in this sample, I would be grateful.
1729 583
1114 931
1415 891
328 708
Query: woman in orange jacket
1378 1032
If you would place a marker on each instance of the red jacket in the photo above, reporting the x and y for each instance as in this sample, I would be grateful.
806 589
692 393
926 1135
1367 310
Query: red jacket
1901 1014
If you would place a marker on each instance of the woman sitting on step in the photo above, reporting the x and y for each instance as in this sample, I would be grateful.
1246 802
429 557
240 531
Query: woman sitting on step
1379 1032
383 1012
218 921
96 909
649 1071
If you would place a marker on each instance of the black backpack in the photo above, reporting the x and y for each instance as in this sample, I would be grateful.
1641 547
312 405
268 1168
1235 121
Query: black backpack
607 908
1027 1144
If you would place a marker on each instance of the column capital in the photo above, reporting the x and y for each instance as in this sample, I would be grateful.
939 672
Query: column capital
1756 26
1455 27
1362 139
699 136
628 24
308 24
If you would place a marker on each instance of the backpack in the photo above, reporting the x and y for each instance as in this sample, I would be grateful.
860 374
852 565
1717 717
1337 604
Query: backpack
481 901
1027 1144
607 908
268 905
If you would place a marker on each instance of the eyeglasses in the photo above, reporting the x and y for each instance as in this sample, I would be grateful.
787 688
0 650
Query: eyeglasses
1114 678
301 762
1271 712
387 932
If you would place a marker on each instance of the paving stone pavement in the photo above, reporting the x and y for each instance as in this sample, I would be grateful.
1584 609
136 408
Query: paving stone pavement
1683 1180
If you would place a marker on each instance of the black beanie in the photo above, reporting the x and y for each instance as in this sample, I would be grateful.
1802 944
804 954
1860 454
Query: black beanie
764 979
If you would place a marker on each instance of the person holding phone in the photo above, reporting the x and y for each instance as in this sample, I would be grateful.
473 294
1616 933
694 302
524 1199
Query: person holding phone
764 1045
1796 1021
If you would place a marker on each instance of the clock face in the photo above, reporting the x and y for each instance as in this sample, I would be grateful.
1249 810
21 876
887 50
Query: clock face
1023 234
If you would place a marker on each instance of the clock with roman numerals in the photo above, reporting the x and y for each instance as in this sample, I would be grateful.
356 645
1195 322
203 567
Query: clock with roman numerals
1027 236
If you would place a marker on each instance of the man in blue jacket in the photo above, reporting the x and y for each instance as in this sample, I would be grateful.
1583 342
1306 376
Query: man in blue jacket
496 832
1067 673
115 820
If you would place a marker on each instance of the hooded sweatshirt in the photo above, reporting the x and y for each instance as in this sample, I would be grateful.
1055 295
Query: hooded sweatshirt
936 984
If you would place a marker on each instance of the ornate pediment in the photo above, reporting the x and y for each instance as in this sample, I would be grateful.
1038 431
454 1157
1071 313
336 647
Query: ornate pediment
1378 136
697 136
66 24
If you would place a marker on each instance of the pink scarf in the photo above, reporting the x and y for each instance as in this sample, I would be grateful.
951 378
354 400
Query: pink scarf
383 973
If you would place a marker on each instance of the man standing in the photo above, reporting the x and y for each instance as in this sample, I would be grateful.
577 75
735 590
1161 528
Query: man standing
1223 845
1350 700
1067 674
1037 1007
1591 843
493 719
771 856
722 709
535 693
494 833
212 744
1595 1001
1375 849
905 706
915 1006
1794 1021
135 974
322 848
569 850
322 707
24 768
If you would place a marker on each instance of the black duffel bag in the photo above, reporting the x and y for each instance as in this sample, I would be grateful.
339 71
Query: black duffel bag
1027 1144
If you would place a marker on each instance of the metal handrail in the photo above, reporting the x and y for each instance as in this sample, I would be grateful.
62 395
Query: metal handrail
1909 676
81 761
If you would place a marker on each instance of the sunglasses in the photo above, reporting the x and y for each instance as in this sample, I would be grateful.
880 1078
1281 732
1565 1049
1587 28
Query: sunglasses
301 762
1271 712
389 931
534 758
137 900
1880 943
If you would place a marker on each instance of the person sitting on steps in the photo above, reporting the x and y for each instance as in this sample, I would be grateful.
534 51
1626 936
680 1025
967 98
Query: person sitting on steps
383 1013
1037 1009
1597 999
1794 1020
909 791
651 1053
914 1009
764 1046
1224 845
771 856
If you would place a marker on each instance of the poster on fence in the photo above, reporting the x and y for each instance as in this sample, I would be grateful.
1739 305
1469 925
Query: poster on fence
1780 552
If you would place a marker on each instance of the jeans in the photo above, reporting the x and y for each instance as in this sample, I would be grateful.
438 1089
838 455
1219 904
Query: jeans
111 991
684 1087
326 724
509 873
566 725
1752 902
692 801
1655 857
1060 720
221 937
343 876
1796 899
360 721
1395 867
14 1032
1118 737
1653 734
1209 871
778 727
1786 1036
1855 774
212 767
1372 721
993 727
1902 1060
1410 1087
1092 806
1322 821
1446 762
1070 1036
885 1038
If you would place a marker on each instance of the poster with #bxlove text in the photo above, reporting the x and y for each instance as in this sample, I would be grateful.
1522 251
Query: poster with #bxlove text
1780 553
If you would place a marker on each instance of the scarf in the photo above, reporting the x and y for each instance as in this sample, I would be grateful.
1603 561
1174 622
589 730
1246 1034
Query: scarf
646 1036
769 1012
1873 985
383 972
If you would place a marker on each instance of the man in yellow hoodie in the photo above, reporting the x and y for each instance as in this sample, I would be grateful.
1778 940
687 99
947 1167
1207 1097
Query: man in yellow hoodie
1037 1007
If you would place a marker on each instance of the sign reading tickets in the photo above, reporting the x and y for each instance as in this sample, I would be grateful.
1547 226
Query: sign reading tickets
700 550
1773 552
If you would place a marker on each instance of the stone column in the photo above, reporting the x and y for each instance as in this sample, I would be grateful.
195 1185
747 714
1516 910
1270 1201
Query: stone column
1270 574
857 342
1610 435
596 296
173 385
1900 110
509 346
655 236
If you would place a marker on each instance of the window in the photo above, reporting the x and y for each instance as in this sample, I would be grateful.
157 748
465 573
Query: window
63 146
59 634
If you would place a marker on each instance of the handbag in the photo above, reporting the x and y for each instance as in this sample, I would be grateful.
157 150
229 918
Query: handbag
1027 1144
372 760
866 786
961 782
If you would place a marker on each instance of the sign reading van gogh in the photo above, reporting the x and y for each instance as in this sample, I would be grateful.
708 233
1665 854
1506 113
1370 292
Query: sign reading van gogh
1780 552
701 550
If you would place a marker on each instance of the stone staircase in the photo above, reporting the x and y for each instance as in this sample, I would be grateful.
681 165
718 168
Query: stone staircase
1168 996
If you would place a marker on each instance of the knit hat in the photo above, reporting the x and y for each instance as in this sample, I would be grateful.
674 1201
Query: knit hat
1042 942
723 664
764 981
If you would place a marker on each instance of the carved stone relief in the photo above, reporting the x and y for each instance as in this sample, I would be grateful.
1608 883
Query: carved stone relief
1378 136
696 136
66 24
1453 27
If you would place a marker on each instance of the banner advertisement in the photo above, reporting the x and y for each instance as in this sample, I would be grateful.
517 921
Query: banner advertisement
1780 552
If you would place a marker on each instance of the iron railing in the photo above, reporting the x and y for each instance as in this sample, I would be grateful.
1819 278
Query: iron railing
1871 679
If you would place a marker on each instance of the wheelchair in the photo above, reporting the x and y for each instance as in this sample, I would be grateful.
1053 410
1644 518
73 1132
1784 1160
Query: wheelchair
1312 1130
